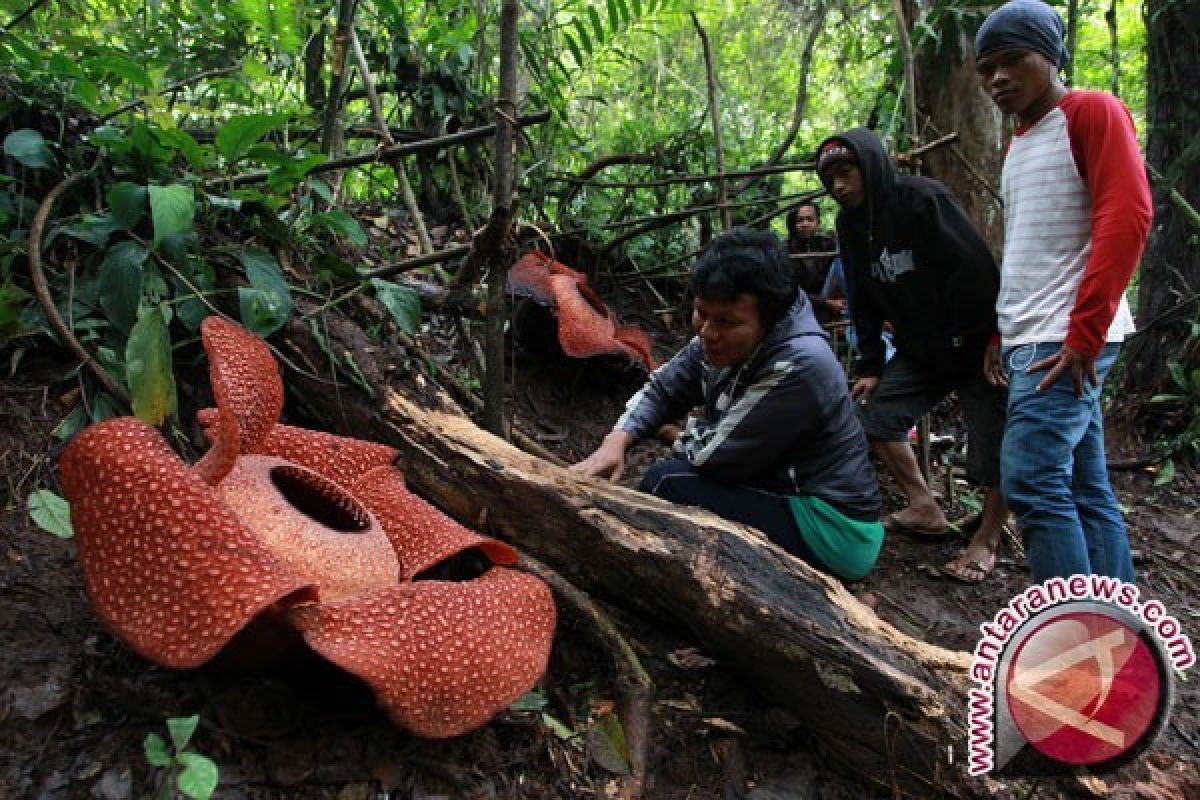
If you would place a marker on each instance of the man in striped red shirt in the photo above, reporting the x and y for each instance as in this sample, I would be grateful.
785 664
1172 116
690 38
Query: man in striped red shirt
1077 214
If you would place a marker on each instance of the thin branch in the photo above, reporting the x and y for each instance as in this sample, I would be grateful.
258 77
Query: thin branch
910 71
174 87
418 262
1179 201
24 15
714 110
801 105
715 176
408 148
42 289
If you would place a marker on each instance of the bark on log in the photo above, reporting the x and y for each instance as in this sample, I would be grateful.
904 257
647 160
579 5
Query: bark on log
885 706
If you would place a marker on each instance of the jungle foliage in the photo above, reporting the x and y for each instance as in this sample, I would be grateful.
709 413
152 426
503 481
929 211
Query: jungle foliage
199 125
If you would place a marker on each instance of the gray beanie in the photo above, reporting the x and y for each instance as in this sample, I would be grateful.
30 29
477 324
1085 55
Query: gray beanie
1023 25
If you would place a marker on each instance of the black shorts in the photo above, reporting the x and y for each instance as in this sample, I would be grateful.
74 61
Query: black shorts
905 393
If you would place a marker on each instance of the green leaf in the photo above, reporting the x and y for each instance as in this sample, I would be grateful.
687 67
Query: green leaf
343 225
1166 473
264 308
94 229
127 201
123 68
181 730
533 700
156 752
238 135
1178 374
597 26
557 728
121 283
607 745
402 301
584 40
29 148
70 424
50 512
172 208
12 300
148 362
614 16
199 776
576 53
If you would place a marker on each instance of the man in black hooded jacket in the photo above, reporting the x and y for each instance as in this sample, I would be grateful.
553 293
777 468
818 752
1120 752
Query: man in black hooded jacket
913 259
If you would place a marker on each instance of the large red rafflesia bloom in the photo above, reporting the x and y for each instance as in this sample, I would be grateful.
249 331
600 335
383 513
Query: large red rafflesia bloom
310 528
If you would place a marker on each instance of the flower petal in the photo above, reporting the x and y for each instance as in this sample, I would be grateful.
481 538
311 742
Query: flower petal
169 568
442 657
244 377
422 535
338 458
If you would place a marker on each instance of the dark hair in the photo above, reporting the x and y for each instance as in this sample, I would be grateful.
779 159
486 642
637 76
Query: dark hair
746 261
790 219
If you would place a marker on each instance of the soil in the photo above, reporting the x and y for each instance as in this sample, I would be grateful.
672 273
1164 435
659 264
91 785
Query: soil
76 705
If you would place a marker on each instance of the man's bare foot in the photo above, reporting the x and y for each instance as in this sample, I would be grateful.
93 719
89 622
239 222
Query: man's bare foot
922 521
973 564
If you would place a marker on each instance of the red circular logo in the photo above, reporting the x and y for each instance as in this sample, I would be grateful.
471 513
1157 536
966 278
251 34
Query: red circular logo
1083 688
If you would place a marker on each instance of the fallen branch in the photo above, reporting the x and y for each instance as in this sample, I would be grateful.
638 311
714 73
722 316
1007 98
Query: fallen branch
674 179
635 688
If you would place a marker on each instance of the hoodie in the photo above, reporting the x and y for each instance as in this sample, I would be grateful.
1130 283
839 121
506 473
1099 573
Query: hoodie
781 421
913 258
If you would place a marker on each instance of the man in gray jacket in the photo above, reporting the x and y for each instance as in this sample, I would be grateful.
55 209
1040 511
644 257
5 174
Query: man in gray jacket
777 444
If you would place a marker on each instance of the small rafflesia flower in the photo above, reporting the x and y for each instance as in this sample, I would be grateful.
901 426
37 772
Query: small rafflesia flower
316 530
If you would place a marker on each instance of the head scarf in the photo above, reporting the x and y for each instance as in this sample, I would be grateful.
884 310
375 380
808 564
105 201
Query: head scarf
1023 25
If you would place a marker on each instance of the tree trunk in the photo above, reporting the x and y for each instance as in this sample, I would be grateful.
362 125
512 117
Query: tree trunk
1170 274
884 706
950 94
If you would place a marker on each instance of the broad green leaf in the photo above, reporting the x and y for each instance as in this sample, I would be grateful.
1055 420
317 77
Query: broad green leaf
12 300
576 53
1166 473
123 68
1178 374
614 16
239 134
584 40
172 208
264 308
183 142
402 301
343 225
121 283
181 730
94 229
50 512
148 363
29 148
156 751
199 776
127 202
607 745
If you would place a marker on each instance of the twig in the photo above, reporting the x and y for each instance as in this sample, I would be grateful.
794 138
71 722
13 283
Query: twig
635 688
42 289
415 263
24 15
1177 199
408 148
174 87
705 178
714 109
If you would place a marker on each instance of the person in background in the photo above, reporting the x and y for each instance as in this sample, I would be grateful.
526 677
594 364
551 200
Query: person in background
777 444
1077 213
812 251
914 260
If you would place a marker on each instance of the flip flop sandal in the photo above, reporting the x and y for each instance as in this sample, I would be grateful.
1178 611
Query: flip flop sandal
892 524
960 572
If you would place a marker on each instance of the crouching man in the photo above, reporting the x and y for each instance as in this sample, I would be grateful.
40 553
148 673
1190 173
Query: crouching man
777 444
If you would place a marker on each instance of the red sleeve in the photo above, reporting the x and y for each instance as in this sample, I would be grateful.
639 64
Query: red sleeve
1106 152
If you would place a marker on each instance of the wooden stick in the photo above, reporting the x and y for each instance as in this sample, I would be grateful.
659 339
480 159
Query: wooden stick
714 109
174 87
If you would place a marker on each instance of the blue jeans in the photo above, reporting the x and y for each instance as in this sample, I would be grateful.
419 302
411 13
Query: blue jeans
1054 475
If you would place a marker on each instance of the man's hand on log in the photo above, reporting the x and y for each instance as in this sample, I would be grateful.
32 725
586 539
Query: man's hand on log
608 461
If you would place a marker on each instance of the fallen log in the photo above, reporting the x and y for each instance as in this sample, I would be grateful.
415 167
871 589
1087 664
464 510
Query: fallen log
883 705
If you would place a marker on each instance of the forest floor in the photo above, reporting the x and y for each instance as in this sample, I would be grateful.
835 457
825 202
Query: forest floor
75 705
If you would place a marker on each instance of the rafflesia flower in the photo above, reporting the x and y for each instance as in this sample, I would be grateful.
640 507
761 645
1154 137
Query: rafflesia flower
317 531
586 327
